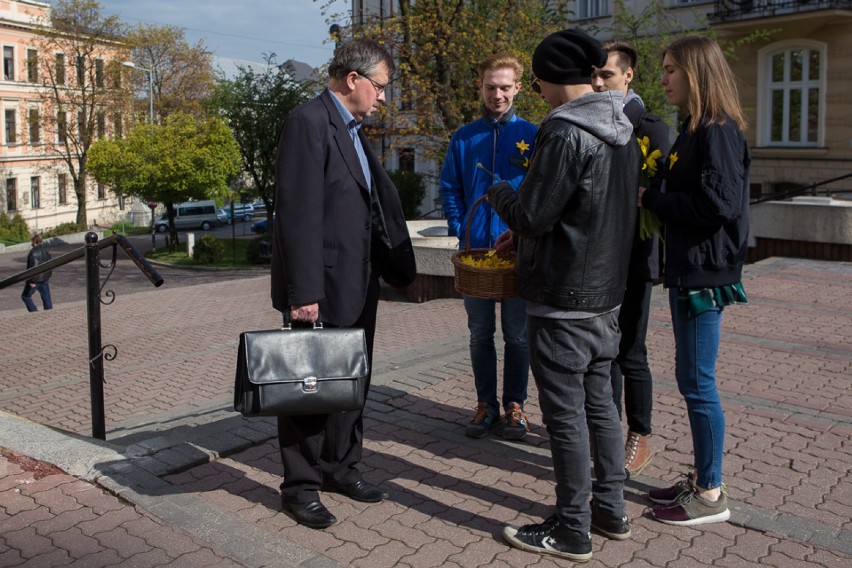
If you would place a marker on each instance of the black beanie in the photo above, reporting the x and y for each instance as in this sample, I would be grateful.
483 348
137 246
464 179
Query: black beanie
567 57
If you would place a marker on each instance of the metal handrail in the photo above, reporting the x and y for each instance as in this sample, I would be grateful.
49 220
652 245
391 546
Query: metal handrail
811 188
97 351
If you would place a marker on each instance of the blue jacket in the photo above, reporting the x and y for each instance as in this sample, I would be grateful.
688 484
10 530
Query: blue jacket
502 146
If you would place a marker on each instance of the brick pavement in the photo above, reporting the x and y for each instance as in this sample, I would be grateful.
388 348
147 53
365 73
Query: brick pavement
181 463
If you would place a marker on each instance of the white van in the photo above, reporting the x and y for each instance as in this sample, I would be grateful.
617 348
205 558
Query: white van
191 215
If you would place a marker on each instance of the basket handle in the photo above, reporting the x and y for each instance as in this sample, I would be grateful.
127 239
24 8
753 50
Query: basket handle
469 217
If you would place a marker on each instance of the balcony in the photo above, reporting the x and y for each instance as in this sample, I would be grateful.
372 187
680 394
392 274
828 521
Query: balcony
731 11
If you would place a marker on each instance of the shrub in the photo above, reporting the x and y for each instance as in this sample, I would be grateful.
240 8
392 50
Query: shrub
253 250
412 190
63 229
14 230
208 250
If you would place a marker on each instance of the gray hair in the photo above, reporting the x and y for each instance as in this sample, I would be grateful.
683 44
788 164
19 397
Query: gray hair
361 55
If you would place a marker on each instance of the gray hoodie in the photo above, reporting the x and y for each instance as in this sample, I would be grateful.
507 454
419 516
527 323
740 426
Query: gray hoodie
599 114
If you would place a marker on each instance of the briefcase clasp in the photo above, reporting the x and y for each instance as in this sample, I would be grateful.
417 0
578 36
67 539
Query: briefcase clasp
309 384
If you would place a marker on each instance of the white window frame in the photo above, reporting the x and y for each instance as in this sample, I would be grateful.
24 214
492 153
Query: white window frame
764 96
590 9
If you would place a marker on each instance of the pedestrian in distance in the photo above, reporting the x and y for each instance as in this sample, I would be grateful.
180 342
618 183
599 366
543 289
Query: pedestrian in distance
39 283
339 227
631 374
703 204
572 222
496 146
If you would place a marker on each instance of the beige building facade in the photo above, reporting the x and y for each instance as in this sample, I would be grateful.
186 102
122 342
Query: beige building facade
794 86
35 181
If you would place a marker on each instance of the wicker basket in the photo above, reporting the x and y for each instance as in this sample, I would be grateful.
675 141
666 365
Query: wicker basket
488 283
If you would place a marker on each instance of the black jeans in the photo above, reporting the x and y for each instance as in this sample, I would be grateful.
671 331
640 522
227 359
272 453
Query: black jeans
630 370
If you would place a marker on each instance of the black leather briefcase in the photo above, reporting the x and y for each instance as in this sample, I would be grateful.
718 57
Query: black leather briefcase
297 371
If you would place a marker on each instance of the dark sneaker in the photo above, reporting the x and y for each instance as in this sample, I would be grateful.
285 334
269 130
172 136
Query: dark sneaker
484 420
514 425
550 537
693 509
637 454
668 495
616 528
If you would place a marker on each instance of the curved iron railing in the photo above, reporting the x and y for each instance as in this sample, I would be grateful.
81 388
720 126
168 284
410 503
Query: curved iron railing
94 288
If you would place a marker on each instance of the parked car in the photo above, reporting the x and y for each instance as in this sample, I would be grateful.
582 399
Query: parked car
259 207
260 227
242 211
222 215
191 215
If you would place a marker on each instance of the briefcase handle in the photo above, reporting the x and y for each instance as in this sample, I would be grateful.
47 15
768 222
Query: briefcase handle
289 326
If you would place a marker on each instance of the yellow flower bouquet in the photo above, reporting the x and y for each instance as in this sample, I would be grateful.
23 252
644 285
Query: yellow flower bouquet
649 223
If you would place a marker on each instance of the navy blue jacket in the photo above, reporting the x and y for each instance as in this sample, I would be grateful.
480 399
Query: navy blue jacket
704 206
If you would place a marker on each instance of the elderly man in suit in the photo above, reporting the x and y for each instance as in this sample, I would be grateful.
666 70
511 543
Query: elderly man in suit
339 227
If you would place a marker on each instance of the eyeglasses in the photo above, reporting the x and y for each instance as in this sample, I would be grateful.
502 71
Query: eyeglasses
376 85
535 85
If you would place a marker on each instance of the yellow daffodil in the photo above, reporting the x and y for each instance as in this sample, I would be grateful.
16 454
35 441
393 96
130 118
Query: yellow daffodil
522 146
649 223
489 260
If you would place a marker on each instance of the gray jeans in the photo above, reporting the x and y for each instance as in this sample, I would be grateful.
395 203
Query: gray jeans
570 360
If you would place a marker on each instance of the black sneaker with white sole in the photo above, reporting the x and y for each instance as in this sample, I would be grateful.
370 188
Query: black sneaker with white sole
550 537
616 528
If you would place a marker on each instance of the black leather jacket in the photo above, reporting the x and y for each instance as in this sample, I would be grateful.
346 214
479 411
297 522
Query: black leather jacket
574 214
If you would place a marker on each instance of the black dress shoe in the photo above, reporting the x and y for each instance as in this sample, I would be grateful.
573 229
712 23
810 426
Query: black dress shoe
359 491
313 514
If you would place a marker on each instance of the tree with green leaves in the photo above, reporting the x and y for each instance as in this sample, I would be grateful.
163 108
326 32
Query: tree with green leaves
80 50
182 75
184 158
437 45
255 105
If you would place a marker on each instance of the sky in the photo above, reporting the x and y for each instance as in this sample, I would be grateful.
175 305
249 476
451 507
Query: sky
241 29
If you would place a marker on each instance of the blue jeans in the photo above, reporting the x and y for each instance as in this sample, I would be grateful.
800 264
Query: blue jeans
696 349
571 363
481 321
44 291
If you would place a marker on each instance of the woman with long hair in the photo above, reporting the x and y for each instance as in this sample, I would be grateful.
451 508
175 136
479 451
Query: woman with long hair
703 203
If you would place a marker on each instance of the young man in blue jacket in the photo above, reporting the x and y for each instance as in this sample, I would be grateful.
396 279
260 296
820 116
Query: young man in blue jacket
495 147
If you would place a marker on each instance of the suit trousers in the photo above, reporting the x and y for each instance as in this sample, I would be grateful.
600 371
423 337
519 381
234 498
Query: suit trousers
320 448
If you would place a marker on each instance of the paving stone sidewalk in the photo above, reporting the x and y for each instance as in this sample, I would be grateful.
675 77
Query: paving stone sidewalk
183 481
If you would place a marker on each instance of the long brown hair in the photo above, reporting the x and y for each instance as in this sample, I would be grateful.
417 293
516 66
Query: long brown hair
713 94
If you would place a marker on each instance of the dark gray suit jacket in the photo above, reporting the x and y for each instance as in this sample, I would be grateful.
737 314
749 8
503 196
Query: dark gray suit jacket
329 228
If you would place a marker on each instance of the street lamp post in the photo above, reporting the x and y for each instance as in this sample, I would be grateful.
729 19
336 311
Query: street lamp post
150 73
150 88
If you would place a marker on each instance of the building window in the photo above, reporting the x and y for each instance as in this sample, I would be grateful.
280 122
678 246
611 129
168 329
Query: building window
100 119
32 65
99 73
101 191
592 9
117 125
81 125
791 86
35 192
11 194
60 68
8 63
405 158
61 127
62 187
35 126
81 70
11 127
